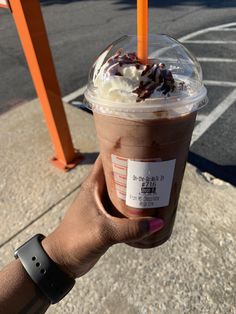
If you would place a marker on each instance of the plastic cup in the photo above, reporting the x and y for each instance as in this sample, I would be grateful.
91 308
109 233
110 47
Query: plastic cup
144 146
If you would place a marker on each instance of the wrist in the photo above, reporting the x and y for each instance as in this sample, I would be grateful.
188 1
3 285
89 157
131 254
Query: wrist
56 251
53 281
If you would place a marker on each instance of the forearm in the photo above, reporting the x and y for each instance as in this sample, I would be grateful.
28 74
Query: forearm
74 247
18 293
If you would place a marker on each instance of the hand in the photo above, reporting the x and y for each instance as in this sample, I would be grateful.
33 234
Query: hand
87 230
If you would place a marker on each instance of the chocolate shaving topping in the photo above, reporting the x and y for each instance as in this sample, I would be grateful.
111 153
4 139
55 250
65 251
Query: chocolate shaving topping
182 85
128 58
154 76
148 67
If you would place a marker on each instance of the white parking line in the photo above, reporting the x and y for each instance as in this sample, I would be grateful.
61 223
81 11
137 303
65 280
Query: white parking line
224 30
206 30
203 59
219 83
203 126
74 94
227 60
205 122
201 117
227 26
209 42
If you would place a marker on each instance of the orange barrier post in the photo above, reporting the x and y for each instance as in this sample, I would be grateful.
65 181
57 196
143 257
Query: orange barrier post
32 32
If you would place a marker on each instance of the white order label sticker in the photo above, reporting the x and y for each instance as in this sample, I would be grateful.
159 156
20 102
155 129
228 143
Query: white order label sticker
149 183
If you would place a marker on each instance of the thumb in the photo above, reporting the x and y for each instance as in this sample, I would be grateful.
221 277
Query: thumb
126 230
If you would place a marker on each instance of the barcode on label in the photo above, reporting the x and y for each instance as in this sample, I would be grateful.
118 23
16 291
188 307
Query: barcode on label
148 190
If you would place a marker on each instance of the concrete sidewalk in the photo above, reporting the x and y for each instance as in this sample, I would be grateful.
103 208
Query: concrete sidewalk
194 272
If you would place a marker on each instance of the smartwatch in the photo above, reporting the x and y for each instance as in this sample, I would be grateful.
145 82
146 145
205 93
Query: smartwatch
50 279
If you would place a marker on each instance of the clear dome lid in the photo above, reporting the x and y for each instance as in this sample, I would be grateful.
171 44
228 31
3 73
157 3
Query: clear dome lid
115 78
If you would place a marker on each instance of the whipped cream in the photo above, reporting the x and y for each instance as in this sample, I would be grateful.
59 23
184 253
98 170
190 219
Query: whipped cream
124 78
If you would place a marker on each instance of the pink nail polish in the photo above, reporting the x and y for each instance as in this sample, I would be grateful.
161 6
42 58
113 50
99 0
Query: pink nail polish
155 225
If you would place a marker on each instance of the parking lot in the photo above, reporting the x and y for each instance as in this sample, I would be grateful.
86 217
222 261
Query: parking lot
207 29
194 272
213 146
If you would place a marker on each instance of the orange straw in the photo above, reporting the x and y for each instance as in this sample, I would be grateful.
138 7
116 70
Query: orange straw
142 30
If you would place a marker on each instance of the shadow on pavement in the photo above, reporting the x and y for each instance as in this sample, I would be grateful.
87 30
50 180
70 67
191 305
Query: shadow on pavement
89 158
131 4
225 173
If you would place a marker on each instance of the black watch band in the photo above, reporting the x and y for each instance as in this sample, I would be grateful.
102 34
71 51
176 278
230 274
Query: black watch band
53 282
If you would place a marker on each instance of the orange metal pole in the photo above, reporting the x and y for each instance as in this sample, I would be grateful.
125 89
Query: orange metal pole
32 32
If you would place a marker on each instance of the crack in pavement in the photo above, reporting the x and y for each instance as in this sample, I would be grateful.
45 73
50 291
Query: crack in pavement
185 15
39 216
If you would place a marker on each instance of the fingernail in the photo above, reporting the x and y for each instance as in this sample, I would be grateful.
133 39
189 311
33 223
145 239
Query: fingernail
155 225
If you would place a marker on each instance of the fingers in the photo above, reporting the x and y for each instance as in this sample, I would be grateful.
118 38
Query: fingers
126 230
96 179
118 230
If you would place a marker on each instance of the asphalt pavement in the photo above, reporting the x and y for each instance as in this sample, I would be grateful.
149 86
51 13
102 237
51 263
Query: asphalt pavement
213 146
79 30
194 272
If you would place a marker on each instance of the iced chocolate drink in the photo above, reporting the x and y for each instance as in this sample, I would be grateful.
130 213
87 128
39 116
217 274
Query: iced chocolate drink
144 117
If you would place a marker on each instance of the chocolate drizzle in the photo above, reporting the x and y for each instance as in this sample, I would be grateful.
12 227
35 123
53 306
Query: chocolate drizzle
155 77
128 58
